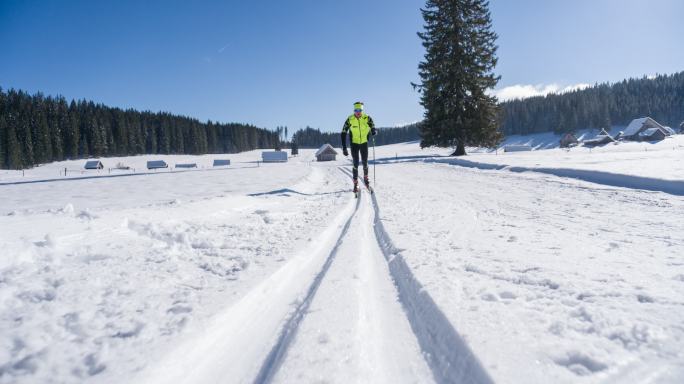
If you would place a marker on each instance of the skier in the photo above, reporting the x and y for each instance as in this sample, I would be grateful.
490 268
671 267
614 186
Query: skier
359 126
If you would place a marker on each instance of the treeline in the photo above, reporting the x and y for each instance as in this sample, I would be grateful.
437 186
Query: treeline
35 129
314 138
600 106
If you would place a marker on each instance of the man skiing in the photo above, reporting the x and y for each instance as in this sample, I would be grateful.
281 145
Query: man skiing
359 126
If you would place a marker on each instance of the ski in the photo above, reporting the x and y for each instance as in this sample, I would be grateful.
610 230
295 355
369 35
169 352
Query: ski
368 187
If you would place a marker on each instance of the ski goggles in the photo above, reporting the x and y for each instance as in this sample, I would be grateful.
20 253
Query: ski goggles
358 110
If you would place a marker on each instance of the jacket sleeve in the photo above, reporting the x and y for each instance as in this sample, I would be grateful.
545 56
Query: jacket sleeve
345 129
371 125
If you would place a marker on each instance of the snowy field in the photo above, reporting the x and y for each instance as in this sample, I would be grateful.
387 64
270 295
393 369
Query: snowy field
630 158
546 266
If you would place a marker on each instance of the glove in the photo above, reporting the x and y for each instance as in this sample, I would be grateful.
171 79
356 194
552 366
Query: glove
344 152
374 131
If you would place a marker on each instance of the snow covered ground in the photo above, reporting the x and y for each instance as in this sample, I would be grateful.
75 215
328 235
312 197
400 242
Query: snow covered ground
468 270
663 160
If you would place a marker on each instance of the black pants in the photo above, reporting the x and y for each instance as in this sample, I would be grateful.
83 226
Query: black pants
355 150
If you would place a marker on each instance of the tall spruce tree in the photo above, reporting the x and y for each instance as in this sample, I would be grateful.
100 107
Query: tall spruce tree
457 71
3 138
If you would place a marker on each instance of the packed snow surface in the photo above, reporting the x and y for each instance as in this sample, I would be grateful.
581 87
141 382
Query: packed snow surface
553 265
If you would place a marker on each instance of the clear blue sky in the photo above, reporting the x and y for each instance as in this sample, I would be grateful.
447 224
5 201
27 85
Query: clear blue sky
304 62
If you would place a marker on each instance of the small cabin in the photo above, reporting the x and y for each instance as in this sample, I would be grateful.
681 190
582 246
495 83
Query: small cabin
601 139
517 148
326 153
568 140
637 126
94 164
274 156
221 162
157 164
186 165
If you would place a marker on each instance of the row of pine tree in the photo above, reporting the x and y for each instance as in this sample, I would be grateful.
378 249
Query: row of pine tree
35 129
600 106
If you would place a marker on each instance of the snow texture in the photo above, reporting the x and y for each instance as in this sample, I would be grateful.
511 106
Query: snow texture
553 265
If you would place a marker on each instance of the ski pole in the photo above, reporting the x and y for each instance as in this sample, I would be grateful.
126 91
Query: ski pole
374 183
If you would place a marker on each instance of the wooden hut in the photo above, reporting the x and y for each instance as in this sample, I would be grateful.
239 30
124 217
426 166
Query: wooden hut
640 125
221 162
93 164
601 139
517 148
157 164
274 156
326 153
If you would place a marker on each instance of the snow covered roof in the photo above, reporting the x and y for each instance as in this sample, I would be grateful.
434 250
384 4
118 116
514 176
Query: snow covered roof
669 131
157 164
221 162
326 148
602 138
93 164
637 125
603 133
517 148
274 156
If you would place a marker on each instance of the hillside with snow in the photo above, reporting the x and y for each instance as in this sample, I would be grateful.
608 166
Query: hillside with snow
553 265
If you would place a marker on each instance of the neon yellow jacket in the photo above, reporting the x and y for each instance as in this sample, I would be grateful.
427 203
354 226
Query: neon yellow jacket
358 128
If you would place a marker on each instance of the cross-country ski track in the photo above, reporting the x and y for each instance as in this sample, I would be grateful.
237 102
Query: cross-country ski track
345 309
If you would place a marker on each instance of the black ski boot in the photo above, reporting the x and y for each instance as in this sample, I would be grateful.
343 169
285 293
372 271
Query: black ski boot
367 183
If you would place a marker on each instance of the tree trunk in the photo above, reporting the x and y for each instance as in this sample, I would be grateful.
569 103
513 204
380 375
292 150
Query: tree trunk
460 149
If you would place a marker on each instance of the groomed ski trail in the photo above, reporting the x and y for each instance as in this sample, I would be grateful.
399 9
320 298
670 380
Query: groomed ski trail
355 330
235 344
345 309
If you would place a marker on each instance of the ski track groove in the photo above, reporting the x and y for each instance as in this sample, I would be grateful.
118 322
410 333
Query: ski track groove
275 358
202 358
448 356
446 353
